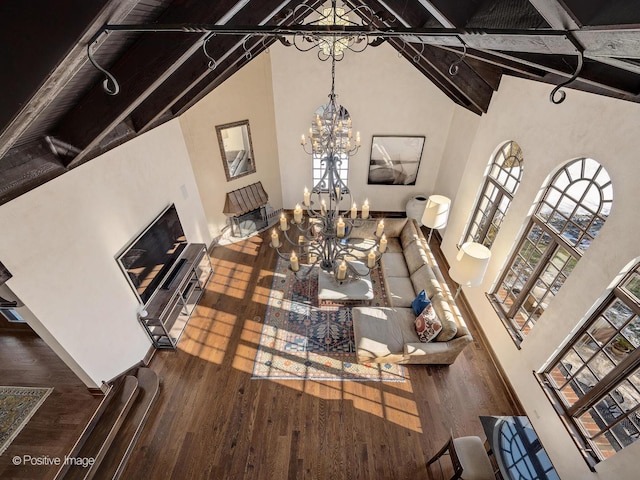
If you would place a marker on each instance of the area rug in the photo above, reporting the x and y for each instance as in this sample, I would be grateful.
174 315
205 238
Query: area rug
17 406
301 340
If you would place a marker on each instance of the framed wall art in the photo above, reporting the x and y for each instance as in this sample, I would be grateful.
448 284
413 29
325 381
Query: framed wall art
395 159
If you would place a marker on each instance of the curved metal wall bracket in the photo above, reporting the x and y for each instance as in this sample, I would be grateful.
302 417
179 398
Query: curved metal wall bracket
212 61
557 90
455 66
110 84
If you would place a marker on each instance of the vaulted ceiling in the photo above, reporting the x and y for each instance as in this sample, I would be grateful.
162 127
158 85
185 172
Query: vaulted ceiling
55 114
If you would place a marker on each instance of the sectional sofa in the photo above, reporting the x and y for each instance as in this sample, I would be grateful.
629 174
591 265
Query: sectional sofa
387 334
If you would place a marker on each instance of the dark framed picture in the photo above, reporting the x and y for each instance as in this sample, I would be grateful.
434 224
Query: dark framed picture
395 160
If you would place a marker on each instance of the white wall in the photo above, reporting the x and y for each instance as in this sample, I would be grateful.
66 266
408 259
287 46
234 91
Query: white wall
384 94
584 125
245 95
61 239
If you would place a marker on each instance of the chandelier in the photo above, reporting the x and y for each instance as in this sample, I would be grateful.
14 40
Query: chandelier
319 231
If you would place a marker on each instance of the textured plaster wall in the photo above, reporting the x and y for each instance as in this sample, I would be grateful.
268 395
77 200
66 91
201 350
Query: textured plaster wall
61 240
384 94
247 95
584 125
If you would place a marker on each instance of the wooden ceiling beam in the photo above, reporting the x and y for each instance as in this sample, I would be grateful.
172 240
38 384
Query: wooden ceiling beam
550 65
555 14
436 78
501 62
58 76
140 70
451 14
27 167
194 73
610 42
467 87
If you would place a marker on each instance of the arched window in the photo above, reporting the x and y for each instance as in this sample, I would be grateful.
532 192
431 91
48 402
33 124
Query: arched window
573 209
500 184
595 379
319 159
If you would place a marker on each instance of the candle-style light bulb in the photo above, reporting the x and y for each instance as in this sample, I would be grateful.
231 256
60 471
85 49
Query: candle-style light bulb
365 209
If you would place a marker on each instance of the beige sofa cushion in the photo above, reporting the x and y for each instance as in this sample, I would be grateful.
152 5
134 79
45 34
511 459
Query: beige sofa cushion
409 234
415 256
393 226
378 334
400 291
446 317
394 265
425 279
393 245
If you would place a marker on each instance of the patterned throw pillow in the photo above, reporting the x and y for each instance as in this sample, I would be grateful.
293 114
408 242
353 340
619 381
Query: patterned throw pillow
427 324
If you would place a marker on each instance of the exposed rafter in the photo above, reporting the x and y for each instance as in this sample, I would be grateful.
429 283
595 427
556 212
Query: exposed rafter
58 115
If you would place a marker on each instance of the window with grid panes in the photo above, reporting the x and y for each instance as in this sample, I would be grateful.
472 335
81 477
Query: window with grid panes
595 379
319 168
500 184
573 209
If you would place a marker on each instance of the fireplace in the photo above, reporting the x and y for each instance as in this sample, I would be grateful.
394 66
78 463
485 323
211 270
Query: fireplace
246 209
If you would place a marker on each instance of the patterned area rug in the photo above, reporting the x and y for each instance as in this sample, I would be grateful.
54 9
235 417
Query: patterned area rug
301 340
17 406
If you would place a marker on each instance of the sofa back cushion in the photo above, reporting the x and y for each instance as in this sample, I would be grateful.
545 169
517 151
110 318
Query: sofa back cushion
409 234
446 317
367 228
393 226
424 279
416 256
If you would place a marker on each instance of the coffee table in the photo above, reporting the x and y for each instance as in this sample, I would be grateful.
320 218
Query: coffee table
351 292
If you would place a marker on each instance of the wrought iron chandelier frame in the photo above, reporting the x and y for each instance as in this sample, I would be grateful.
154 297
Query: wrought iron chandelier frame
333 27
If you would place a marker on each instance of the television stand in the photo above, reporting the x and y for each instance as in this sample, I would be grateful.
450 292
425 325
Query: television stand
171 305
168 283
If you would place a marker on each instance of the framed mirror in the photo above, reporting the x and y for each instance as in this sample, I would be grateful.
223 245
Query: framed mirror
236 149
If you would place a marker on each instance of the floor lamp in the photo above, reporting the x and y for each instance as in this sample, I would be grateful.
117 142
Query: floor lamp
436 213
470 265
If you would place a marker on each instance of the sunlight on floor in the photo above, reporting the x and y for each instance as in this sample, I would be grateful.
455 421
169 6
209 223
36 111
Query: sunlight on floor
389 400
260 295
230 279
210 330
208 339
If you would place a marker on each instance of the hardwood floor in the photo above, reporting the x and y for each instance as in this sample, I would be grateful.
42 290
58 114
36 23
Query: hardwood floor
212 421
25 360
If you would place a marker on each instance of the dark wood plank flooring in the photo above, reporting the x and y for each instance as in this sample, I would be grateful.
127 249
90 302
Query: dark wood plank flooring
26 360
212 421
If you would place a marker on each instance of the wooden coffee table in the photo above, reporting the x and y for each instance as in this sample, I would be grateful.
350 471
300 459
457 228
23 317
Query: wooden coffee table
351 292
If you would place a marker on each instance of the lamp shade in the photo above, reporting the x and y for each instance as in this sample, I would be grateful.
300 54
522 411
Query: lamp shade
470 265
436 212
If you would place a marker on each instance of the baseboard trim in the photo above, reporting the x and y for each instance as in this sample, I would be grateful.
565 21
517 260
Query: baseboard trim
150 353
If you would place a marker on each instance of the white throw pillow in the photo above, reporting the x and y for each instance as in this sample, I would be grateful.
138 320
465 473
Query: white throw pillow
427 324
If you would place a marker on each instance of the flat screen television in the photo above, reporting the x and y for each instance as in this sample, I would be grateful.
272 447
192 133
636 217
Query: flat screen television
148 259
